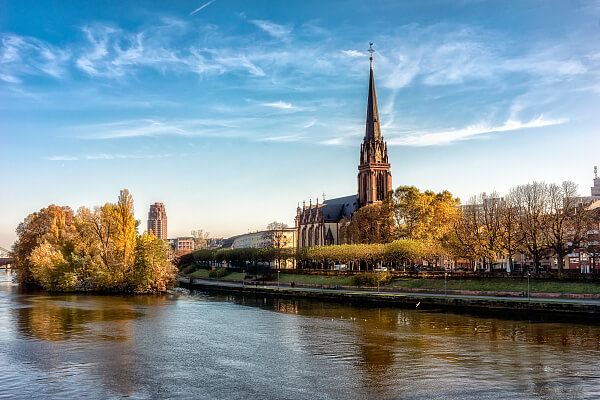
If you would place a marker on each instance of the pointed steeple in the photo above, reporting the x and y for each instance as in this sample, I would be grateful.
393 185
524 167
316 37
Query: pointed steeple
372 130
374 176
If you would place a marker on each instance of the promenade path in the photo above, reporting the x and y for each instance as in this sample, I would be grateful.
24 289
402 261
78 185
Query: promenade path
549 304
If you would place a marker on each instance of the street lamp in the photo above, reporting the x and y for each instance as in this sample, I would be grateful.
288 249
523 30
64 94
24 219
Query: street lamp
446 283
528 274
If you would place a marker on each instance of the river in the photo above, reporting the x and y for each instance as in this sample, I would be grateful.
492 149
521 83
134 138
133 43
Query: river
235 347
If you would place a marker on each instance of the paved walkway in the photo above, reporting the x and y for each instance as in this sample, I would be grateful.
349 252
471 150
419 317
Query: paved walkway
393 294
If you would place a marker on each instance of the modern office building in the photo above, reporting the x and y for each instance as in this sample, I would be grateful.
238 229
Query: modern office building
157 221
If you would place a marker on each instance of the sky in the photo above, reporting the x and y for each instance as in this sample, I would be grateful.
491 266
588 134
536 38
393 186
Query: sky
232 112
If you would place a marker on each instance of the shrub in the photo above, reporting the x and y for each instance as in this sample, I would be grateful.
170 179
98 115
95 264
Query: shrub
372 278
218 273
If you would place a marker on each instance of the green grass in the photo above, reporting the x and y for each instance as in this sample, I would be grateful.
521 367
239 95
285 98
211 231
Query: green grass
233 276
487 284
201 273
315 279
490 284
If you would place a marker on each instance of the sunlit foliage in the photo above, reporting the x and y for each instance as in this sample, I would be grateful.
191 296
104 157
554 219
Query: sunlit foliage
93 250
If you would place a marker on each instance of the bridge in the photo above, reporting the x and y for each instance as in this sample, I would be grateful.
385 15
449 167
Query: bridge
6 258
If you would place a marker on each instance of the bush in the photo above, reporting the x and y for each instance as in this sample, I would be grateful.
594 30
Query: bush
372 278
218 273
189 269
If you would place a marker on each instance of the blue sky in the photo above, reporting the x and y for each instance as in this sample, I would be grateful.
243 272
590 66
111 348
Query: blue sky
232 112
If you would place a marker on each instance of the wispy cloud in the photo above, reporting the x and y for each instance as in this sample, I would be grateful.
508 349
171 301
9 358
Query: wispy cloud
22 55
282 105
130 129
470 132
275 30
353 53
158 128
282 138
202 7
61 158
115 156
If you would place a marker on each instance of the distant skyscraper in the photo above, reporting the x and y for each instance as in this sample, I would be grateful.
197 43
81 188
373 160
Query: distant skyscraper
157 221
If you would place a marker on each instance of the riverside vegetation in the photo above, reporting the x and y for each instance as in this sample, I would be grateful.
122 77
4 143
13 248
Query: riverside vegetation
95 250
412 228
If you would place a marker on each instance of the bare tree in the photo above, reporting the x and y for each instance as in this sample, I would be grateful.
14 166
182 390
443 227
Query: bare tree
273 226
512 237
491 226
200 239
567 221
531 201
468 232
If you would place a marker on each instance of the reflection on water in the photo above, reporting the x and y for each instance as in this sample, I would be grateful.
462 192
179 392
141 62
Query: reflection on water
207 346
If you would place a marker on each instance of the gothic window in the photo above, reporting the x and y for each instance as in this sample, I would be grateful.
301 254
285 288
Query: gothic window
380 186
365 189
317 236
329 237
304 237
310 236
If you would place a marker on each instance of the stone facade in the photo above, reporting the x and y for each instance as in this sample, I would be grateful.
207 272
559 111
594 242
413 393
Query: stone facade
278 238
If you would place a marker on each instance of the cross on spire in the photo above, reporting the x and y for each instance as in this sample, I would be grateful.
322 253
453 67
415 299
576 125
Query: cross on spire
371 51
373 130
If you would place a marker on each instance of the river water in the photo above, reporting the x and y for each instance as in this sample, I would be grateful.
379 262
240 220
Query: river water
234 347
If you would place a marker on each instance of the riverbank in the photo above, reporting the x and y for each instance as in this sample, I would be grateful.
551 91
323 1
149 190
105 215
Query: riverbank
492 302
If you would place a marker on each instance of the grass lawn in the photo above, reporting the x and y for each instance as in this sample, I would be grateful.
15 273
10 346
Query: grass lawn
315 279
201 273
491 284
234 276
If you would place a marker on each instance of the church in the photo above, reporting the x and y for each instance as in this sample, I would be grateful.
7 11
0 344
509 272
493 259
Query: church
319 224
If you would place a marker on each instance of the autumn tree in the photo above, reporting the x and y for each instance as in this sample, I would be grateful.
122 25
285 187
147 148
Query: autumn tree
373 223
153 270
424 215
94 250
51 225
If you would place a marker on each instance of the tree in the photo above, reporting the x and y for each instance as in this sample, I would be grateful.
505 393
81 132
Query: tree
153 270
509 229
531 202
200 238
276 226
51 224
567 221
468 236
92 250
373 223
424 215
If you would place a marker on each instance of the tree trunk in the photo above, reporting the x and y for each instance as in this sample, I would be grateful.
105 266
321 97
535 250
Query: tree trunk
561 263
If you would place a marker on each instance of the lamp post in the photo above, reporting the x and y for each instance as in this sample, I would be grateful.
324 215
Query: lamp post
528 274
277 279
446 283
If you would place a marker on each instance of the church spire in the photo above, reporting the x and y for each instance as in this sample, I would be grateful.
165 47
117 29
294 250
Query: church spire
374 176
372 130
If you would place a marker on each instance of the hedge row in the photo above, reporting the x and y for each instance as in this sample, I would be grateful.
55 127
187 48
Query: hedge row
400 251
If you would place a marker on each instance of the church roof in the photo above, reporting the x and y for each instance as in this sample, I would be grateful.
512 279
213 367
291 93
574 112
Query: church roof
372 130
341 207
